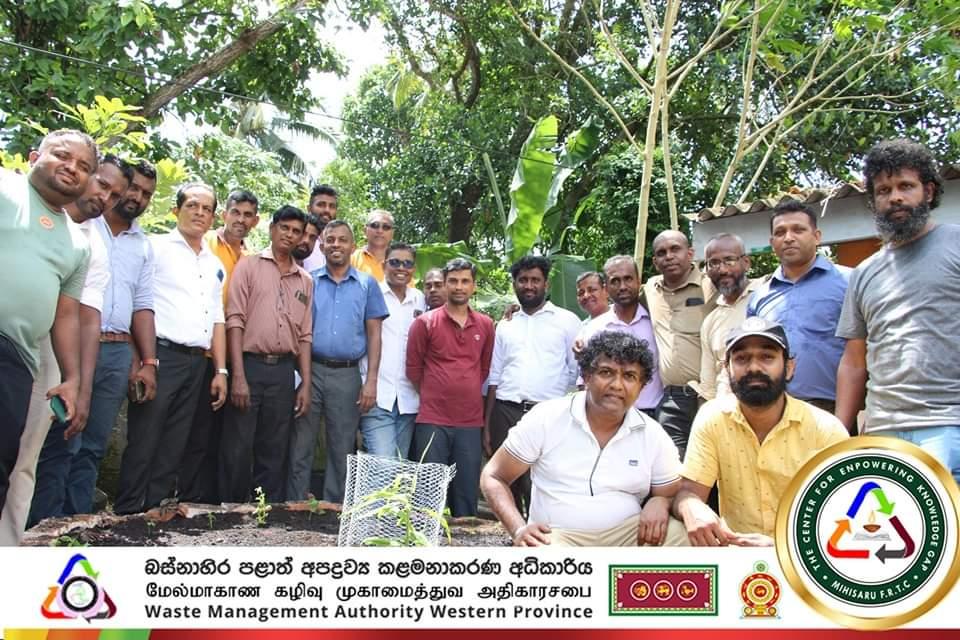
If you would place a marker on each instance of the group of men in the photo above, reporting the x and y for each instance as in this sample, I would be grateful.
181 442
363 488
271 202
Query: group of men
691 381
239 365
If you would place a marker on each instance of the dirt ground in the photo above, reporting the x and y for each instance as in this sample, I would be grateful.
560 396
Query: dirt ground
292 524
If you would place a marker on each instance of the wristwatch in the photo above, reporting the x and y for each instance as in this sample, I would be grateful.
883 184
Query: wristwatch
224 372
153 361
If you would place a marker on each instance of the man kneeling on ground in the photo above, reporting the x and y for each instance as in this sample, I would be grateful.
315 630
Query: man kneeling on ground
751 443
594 459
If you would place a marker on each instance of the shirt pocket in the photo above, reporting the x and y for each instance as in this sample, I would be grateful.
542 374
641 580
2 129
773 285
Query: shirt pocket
687 319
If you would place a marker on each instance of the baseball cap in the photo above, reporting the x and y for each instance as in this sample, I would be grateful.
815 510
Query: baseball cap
756 326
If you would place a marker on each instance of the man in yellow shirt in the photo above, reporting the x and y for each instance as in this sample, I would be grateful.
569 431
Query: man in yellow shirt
240 215
751 443
379 231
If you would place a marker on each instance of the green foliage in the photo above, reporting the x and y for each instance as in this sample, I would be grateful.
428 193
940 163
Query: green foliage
563 280
353 186
158 217
148 43
14 162
531 188
109 122
67 541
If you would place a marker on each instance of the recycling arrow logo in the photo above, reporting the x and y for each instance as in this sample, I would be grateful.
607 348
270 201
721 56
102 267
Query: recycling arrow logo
867 533
885 507
77 594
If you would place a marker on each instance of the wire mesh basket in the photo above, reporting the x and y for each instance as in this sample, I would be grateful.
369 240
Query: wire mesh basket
393 502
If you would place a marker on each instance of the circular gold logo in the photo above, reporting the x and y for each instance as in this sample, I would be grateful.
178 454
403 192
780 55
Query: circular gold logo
867 532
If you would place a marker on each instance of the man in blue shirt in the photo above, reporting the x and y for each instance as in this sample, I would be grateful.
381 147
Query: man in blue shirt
348 309
805 295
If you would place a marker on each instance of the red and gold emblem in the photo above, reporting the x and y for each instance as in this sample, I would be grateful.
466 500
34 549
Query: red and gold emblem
760 593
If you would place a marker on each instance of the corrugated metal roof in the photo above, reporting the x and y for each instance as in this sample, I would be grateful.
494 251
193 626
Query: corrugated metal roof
810 195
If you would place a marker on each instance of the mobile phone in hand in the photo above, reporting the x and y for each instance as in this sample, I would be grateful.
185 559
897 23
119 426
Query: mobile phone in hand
139 391
59 409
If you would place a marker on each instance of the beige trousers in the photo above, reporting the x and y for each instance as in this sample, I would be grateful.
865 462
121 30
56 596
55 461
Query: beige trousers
13 520
622 535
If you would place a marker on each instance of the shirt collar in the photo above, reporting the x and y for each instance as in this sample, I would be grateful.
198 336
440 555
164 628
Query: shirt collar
820 263
611 316
752 285
387 291
351 273
223 240
792 413
469 322
134 230
267 254
176 236
694 277
548 307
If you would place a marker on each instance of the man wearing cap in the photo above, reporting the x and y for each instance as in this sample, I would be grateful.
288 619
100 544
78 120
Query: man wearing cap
751 443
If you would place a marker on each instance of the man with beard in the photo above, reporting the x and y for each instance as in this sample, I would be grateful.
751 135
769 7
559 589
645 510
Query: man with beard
323 205
603 473
348 309
727 266
901 316
269 324
198 475
43 260
63 440
532 361
678 300
388 426
434 291
188 303
628 316
311 232
448 359
751 443
592 294
805 295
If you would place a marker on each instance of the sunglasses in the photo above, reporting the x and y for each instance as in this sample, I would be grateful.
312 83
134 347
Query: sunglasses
386 226
397 263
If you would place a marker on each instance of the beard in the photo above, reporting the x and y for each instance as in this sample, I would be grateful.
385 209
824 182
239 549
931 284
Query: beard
728 290
759 396
905 230
129 211
301 252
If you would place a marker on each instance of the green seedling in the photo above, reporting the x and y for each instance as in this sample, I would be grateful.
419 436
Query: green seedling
211 518
262 509
313 507
67 541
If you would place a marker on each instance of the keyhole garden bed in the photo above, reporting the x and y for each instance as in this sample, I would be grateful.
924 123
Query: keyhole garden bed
294 524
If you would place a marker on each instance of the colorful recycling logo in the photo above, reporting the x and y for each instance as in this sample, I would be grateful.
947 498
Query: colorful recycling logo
885 507
77 594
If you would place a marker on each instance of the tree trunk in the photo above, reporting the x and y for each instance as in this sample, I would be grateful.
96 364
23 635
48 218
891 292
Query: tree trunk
219 60
461 212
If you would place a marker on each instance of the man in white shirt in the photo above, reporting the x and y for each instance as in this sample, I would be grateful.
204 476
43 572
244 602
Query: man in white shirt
532 361
603 472
188 305
388 427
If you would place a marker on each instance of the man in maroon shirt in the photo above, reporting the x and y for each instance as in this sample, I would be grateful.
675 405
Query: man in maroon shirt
448 359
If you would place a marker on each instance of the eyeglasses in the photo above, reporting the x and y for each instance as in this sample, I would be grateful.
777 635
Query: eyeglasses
397 263
386 226
728 262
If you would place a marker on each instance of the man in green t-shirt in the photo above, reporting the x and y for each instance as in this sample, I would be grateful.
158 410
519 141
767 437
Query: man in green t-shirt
43 263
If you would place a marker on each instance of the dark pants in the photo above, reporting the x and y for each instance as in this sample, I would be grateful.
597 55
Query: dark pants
198 475
256 447
67 470
462 446
53 467
157 432
16 383
505 415
676 412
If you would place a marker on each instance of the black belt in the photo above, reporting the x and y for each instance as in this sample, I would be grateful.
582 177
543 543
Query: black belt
269 358
182 348
684 389
523 405
335 364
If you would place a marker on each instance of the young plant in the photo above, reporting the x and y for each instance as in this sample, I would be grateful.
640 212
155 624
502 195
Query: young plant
67 541
262 509
211 518
151 528
395 502
313 507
